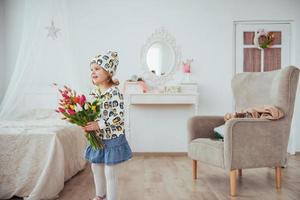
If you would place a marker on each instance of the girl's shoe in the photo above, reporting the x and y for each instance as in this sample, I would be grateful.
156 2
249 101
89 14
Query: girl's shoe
99 198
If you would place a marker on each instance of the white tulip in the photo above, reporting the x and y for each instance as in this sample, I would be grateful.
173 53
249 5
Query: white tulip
78 107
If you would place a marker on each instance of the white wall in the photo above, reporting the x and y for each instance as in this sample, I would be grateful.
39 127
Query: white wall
2 56
203 29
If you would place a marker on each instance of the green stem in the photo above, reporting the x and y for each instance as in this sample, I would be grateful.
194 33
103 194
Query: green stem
95 141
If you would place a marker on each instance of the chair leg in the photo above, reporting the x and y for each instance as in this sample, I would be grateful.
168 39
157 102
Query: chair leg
278 177
233 182
194 169
240 172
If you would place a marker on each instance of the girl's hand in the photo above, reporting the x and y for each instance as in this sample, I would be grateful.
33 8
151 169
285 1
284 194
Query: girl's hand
91 126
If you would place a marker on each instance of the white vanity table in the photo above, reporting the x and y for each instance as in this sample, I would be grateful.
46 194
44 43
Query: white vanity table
152 98
156 121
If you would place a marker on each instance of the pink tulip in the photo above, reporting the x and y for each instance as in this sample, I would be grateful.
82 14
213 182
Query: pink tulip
61 110
82 100
65 96
71 112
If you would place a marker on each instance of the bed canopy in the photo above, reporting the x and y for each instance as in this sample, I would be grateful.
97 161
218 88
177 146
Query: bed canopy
45 56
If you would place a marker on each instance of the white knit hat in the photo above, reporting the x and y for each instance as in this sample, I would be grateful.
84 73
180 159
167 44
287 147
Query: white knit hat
108 61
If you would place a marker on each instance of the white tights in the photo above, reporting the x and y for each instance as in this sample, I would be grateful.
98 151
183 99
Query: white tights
106 180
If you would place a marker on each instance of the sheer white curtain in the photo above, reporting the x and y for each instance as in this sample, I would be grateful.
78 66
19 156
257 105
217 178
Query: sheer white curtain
41 60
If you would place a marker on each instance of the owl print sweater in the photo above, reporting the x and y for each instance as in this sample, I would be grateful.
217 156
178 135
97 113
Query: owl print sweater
111 121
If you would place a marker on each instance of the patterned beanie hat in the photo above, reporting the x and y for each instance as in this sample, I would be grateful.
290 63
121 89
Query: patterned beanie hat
108 62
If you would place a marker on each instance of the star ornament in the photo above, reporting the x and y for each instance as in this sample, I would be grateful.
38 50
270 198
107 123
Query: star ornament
52 31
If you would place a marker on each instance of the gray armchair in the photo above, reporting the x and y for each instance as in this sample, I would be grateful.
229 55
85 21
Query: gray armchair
248 143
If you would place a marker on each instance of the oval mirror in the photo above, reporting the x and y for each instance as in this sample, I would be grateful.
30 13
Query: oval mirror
160 58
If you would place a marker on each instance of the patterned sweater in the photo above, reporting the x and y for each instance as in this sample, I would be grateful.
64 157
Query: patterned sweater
111 121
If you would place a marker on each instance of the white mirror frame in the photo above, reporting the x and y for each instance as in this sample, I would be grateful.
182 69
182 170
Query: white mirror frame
160 35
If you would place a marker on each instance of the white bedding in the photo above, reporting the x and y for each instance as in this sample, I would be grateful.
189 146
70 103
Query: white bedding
38 155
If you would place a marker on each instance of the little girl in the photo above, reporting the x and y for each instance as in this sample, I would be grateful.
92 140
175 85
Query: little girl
105 162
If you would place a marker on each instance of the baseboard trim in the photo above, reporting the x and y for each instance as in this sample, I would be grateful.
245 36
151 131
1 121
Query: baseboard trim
160 153
170 153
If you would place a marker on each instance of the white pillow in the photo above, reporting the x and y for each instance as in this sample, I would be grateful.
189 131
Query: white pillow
220 130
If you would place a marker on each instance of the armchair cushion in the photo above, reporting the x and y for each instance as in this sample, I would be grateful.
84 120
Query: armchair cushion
207 150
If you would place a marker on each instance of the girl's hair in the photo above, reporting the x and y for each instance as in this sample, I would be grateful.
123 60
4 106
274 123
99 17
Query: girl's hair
114 81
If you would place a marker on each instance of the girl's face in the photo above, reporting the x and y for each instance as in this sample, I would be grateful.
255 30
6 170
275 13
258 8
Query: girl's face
98 74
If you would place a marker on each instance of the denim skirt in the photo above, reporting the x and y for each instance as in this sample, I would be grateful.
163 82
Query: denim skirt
116 150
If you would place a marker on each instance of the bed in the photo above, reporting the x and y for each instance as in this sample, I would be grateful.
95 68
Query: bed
38 153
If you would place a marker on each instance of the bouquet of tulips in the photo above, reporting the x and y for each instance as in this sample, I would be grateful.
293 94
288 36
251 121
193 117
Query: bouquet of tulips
77 110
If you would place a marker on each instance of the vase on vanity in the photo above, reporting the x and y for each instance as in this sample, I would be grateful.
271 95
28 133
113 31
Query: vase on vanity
187 74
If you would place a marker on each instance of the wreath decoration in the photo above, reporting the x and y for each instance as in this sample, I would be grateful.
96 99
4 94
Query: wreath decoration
262 39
